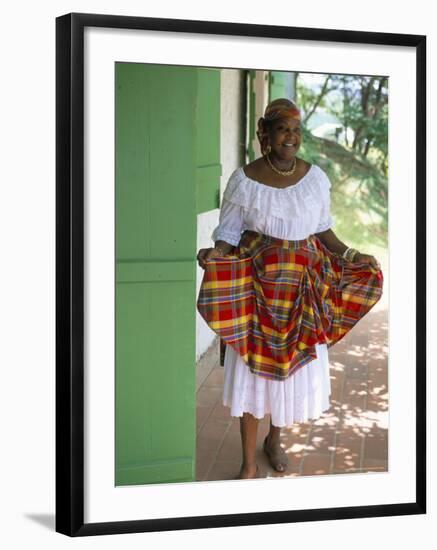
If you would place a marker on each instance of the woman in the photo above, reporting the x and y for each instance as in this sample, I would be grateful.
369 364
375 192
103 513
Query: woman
282 292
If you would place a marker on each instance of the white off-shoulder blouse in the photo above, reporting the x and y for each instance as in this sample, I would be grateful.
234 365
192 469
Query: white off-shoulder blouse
291 213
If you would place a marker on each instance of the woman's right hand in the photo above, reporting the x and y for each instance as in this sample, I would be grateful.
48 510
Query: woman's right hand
206 254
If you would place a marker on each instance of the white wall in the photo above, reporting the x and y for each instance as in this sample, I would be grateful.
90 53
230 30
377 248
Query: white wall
231 148
27 280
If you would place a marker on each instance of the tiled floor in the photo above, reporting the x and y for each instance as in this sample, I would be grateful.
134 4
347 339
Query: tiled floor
352 436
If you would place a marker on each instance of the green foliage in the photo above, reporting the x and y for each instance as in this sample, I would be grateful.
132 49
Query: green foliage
356 156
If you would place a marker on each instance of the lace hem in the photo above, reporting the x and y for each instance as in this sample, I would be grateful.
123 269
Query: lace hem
301 397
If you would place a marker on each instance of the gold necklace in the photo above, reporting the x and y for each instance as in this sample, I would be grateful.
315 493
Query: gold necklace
282 172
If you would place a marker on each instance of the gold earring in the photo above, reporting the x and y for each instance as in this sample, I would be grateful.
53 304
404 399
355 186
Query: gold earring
268 149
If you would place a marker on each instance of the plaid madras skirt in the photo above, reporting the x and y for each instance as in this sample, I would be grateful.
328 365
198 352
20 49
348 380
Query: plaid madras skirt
273 300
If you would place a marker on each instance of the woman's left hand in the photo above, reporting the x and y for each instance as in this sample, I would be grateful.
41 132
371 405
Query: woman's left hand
367 259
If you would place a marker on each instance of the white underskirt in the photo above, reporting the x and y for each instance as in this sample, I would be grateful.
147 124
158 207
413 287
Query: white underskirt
302 396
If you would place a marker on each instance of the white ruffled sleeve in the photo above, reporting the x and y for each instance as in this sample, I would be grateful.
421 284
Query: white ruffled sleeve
326 220
231 217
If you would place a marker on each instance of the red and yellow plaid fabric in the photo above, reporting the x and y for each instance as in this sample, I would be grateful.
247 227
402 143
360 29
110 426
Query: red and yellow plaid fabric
273 300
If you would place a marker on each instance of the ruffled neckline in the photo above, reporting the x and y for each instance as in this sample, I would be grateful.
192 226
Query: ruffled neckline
285 202
258 183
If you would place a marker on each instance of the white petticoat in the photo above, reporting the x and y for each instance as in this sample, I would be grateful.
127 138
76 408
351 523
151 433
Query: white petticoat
302 396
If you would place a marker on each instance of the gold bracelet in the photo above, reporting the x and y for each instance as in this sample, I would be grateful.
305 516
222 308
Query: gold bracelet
355 252
349 254
222 253
345 253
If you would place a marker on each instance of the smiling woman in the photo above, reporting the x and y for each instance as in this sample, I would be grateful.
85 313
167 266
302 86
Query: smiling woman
282 292
280 139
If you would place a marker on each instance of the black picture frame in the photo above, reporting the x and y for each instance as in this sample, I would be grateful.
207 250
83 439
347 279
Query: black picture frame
70 273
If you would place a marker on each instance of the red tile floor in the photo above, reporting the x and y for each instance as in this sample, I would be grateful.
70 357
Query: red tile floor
352 436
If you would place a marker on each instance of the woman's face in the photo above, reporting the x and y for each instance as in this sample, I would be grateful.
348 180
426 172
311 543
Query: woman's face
285 137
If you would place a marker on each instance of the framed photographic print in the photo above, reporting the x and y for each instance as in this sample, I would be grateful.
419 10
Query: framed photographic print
292 160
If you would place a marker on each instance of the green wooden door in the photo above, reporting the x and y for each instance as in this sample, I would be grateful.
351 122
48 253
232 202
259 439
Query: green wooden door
155 273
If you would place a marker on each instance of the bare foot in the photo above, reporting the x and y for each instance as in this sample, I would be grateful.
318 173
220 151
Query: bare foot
250 472
276 454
